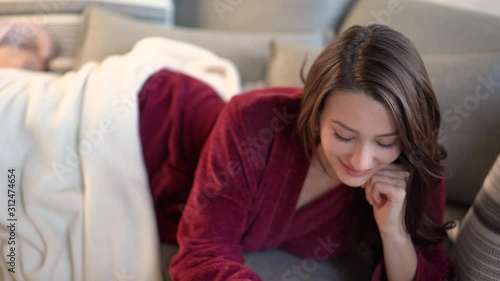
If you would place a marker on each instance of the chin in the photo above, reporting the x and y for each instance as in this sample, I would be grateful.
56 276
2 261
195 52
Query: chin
353 181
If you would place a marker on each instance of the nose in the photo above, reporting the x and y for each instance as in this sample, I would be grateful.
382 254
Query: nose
361 158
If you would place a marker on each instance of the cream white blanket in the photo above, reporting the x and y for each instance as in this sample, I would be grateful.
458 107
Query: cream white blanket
80 205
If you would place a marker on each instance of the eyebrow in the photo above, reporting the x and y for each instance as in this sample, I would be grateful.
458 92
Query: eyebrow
395 133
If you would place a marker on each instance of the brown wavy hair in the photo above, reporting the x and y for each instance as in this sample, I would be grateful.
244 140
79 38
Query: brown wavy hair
385 65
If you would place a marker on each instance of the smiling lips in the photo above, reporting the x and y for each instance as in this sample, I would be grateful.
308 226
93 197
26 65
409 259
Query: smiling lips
354 173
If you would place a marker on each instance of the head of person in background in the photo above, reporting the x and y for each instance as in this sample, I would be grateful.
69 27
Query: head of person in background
25 46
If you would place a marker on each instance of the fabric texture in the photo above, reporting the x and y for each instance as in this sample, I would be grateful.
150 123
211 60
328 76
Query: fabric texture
82 186
245 190
261 15
435 29
468 90
478 243
176 116
103 31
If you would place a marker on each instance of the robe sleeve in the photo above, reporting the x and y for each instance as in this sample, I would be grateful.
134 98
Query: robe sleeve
433 264
216 214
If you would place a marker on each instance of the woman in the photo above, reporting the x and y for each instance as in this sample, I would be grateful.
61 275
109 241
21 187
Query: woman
353 157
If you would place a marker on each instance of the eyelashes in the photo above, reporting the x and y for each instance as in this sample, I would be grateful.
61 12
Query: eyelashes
347 140
342 139
386 146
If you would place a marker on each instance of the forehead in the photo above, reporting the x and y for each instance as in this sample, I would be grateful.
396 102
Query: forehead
359 111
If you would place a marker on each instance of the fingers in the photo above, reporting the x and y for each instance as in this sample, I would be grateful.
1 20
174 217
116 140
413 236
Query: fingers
394 174
367 186
384 190
397 181
389 183
394 167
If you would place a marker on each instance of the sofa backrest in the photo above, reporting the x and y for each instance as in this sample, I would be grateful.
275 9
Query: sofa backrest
260 15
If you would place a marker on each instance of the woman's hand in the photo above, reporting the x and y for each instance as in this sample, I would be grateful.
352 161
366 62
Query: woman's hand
386 192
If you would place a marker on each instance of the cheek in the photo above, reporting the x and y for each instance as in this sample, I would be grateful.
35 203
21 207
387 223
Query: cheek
336 149
333 147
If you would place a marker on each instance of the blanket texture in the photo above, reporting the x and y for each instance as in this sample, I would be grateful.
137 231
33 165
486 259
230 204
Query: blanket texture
75 199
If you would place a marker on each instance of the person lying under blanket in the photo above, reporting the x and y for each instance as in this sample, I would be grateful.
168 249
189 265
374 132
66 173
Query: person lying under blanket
70 144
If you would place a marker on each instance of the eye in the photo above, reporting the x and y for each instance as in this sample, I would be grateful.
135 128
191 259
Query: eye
386 146
342 139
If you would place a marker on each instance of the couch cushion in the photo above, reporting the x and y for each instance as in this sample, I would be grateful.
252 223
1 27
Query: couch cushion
478 244
260 15
105 33
434 29
468 90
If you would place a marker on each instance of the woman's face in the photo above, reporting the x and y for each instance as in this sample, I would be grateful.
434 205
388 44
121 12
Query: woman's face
358 136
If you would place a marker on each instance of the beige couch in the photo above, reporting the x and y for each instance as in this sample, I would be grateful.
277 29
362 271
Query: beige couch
461 50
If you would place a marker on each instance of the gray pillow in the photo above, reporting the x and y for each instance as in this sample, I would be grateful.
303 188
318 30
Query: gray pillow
471 137
434 29
477 248
260 15
105 33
